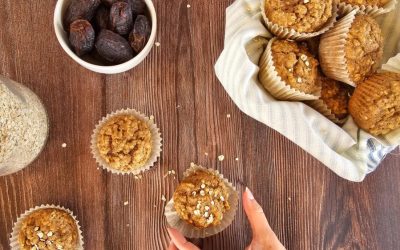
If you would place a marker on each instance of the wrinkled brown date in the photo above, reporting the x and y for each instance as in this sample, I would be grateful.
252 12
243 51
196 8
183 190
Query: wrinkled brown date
80 9
140 33
121 19
138 7
81 36
108 2
102 18
113 47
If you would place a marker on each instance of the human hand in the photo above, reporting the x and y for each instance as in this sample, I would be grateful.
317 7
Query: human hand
263 236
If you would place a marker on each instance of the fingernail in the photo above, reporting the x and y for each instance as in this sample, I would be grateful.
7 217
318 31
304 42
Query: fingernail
249 194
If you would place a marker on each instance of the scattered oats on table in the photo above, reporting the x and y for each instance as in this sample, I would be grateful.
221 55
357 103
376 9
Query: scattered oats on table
221 157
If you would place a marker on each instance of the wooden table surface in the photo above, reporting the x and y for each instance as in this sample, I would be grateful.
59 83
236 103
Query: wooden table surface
307 205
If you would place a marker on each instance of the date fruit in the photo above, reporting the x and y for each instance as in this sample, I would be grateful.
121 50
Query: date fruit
138 7
102 18
121 19
140 33
81 36
113 47
80 9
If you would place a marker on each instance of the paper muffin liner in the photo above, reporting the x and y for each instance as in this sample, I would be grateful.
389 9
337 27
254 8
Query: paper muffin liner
334 65
14 244
289 33
271 81
393 64
345 8
322 108
191 231
155 136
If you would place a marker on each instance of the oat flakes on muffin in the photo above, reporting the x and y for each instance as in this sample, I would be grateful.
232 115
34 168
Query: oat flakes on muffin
375 104
48 229
379 3
302 16
201 199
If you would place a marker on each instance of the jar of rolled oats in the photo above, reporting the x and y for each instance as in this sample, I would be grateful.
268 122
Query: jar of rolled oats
23 126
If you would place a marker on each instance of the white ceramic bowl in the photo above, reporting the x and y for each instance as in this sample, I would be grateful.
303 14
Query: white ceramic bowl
62 37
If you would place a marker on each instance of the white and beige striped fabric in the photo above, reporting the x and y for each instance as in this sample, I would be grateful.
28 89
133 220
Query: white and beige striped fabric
348 151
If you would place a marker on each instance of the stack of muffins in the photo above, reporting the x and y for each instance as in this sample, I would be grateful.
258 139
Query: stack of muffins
340 77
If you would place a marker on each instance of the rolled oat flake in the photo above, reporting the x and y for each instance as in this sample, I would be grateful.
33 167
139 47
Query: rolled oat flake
23 126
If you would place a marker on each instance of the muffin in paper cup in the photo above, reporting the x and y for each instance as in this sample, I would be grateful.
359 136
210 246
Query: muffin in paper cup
321 107
372 10
290 33
336 65
192 231
272 82
47 237
146 140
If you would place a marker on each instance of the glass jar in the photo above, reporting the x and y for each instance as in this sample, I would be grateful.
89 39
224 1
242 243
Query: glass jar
24 126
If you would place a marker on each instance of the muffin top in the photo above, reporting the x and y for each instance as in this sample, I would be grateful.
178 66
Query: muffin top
202 199
296 66
48 228
336 96
125 142
364 47
379 3
375 104
302 16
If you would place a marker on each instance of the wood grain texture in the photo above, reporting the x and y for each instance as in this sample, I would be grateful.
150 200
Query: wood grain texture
307 205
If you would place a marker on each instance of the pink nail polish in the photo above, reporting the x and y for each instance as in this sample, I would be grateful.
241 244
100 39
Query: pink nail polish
249 194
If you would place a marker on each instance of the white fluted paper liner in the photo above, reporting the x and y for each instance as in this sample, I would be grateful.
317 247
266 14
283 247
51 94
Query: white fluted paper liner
155 136
271 80
321 107
332 50
348 151
191 231
14 244
289 33
345 8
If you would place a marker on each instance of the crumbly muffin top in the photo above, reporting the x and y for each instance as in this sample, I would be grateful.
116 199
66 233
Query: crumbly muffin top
336 96
124 142
375 104
364 47
379 3
301 15
202 199
296 66
48 229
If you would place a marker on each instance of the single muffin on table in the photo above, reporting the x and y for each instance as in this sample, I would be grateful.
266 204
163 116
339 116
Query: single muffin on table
358 45
289 71
298 19
48 229
375 104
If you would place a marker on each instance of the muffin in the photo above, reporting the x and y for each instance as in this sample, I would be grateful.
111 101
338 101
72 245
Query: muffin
375 104
203 204
334 100
289 71
358 44
298 19
47 228
126 142
369 7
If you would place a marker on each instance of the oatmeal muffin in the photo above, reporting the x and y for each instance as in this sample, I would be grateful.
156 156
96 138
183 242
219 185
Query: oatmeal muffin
358 43
379 3
375 104
304 17
48 229
202 199
124 142
287 66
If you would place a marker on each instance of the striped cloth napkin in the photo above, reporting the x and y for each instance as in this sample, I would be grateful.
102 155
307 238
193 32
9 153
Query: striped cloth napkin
348 151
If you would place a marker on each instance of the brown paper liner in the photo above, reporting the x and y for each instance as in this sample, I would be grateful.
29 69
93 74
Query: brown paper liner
155 134
322 108
14 244
191 231
345 8
289 33
334 65
272 82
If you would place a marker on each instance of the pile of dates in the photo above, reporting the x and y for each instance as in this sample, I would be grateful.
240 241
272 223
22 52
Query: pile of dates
114 30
